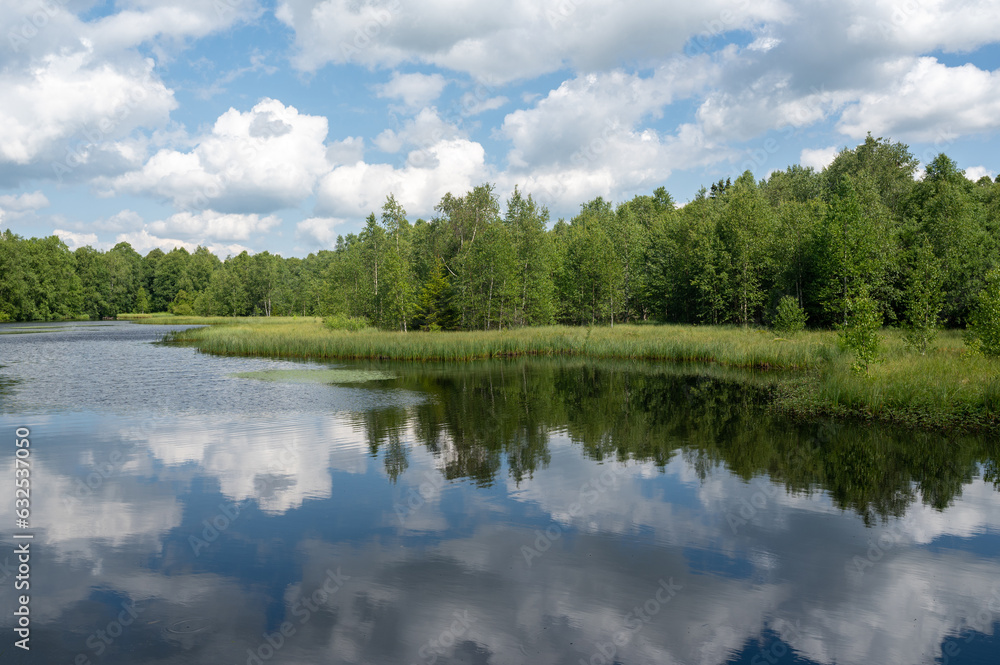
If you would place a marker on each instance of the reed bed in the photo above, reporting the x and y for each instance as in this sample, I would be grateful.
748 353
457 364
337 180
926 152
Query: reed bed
733 347
947 388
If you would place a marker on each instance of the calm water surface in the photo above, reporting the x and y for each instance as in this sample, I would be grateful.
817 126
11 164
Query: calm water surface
506 512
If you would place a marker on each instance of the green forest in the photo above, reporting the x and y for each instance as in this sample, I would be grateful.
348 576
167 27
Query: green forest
863 230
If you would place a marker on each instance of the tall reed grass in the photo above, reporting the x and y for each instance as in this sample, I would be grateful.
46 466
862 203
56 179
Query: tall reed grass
735 347
948 387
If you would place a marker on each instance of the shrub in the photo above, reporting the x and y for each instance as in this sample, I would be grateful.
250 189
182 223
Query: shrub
983 333
924 296
344 322
860 334
790 317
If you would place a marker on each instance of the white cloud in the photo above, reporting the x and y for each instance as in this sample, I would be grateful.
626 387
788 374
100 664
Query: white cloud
14 206
37 27
508 39
818 158
124 220
974 173
590 136
423 130
927 25
319 231
143 242
450 165
769 102
71 110
616 165
576 115
347 151
142 21
927 101
474 104
259 161
416 90
214 225
76 240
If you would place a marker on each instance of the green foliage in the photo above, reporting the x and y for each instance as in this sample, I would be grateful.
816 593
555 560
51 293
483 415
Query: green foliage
789 318
745 233
343 322
533 287
182 305
823 238
591 280
944 209
923 296
141 301
38 279
936 390
983 334
860 333
853 247
434 307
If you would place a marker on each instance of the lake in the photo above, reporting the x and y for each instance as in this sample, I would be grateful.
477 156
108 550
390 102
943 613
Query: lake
188 508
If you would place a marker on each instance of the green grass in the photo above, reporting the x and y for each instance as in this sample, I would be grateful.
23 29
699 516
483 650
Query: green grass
301 338
135 316
167 319
947 388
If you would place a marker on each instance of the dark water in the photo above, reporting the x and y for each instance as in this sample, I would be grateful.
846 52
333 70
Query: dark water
514 512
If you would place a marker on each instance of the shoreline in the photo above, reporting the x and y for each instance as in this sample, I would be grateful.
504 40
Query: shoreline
948 389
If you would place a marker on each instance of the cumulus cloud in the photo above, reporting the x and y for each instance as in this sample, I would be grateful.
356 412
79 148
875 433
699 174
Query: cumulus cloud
76 240
13 206
76 90
347 151
143 242
416 90
319 231
70 111
423 130
927 25
616 164
583 109
611 126
590 136
974 173
927 101
474 104
222 233
449 165
124 220
818 158
215 225
507 40
142 21
257 161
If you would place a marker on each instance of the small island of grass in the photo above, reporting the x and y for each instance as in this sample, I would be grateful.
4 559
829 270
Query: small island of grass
813 374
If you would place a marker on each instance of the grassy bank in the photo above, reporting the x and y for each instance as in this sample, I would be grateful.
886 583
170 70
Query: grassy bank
733 347
947 388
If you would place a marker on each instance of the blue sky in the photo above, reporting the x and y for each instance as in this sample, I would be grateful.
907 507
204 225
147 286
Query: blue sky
240 124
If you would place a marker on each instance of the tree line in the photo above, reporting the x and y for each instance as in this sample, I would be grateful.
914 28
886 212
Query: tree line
863 228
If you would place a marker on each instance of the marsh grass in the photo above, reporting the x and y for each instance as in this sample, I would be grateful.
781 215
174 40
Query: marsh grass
946 388
733 347
136 316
